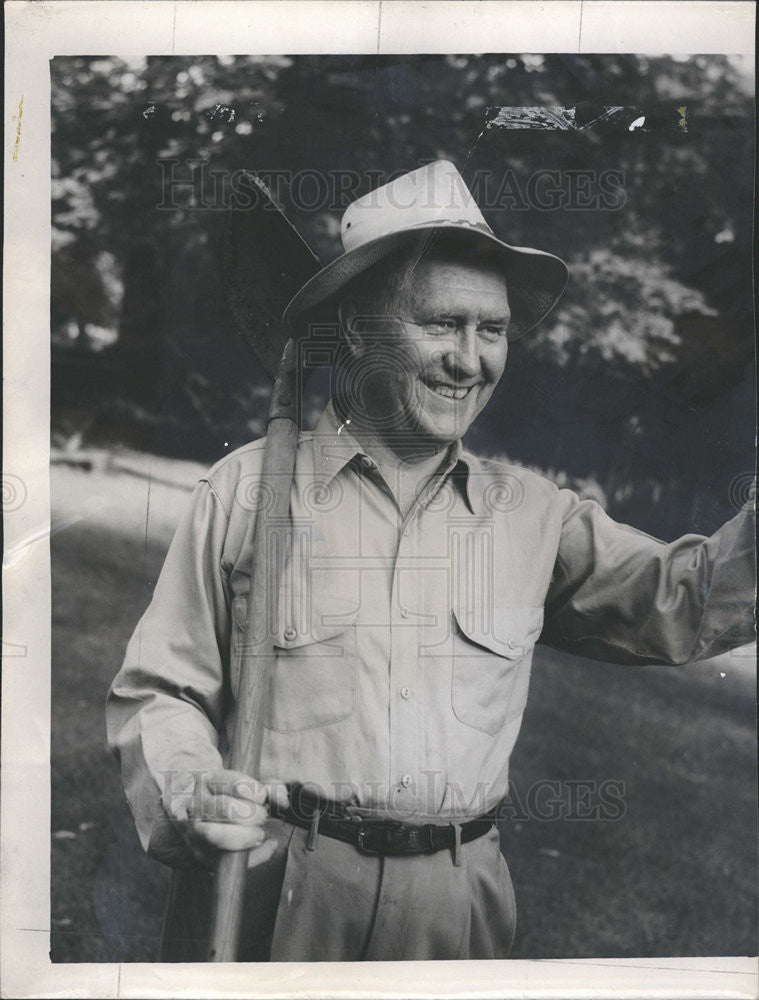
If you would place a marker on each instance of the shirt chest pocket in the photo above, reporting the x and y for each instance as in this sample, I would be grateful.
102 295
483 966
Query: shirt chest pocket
491 664
314 674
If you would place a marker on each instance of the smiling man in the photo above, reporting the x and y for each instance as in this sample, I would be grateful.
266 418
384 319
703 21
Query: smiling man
426 345
417 579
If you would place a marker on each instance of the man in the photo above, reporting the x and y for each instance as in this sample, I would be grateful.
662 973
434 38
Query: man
417 579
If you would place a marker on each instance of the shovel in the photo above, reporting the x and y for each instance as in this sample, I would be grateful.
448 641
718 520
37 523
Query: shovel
265 262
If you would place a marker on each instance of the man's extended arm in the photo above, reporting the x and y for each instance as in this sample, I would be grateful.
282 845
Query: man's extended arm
620 595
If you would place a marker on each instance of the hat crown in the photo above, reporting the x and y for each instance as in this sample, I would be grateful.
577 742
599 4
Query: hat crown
434 195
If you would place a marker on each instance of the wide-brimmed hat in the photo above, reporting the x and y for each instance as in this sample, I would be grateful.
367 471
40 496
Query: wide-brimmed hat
415 210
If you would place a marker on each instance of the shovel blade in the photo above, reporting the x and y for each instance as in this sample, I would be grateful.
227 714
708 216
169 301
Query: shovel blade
265 262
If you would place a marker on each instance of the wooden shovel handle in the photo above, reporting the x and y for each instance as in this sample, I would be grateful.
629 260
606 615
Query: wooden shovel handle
257 654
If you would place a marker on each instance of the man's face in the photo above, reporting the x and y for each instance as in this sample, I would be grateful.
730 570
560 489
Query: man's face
441 355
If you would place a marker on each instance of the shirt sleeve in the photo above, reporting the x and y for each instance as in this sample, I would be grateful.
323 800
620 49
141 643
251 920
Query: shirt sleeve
165 707
620 595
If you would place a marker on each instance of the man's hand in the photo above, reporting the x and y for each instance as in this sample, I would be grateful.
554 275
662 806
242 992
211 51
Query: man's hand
225 811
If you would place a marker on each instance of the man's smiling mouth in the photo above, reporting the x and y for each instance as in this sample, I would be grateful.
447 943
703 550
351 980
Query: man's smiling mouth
447 390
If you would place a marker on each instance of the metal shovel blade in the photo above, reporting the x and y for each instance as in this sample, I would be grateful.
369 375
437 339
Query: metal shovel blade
265 262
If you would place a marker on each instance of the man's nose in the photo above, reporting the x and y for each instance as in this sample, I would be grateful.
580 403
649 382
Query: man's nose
465 356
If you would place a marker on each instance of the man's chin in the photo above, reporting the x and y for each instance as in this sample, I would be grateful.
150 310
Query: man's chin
444 421
442 433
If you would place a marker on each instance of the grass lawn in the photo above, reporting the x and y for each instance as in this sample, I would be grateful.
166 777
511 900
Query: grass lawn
675 874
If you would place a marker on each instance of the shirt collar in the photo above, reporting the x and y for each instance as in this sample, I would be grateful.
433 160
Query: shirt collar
334 447
471 476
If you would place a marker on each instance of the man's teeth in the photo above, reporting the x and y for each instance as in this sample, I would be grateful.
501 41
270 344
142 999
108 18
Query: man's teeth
449 391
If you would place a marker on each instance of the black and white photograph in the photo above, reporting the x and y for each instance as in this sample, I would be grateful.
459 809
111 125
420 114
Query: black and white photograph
401 429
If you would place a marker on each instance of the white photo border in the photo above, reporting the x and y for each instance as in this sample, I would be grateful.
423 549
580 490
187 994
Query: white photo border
37 31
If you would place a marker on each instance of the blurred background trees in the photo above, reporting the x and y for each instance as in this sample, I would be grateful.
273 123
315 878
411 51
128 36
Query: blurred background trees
641 380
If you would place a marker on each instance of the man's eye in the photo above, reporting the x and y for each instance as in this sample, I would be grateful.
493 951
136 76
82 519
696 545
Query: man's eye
492 331
440 326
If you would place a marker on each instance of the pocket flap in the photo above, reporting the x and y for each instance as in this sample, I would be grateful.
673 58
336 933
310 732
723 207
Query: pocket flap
291 637
300 623
510 631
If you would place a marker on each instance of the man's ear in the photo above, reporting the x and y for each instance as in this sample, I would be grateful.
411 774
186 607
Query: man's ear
347 311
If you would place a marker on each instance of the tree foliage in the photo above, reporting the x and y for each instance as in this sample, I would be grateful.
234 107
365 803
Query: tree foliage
657 318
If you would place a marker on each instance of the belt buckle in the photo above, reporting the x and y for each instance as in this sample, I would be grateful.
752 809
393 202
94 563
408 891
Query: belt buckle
383 837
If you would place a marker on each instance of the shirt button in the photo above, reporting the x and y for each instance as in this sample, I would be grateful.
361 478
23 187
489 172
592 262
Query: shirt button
290 633
406 532
406 780
366 462
405 693
404 612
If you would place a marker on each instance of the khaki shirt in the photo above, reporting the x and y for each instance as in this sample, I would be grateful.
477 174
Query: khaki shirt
403 645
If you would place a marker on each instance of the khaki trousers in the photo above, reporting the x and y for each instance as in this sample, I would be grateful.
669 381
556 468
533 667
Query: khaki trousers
334 904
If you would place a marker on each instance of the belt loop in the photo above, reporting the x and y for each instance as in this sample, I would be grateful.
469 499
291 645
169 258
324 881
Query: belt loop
313 831
457 845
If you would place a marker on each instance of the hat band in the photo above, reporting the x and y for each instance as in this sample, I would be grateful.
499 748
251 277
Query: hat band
481 227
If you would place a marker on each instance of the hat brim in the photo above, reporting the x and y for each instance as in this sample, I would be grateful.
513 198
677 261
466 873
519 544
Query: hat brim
535 279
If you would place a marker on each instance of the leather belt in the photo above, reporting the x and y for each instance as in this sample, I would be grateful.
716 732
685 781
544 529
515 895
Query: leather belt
375 836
